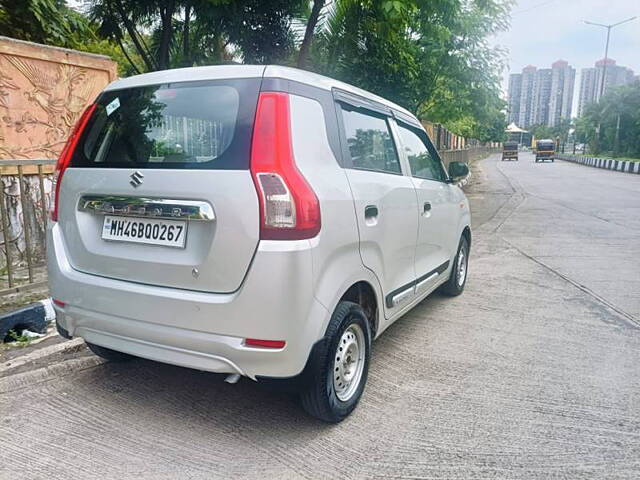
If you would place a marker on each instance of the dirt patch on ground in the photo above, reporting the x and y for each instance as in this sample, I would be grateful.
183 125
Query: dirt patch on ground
18 300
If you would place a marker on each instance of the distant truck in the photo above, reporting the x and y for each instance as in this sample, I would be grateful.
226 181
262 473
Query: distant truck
510 151
545 150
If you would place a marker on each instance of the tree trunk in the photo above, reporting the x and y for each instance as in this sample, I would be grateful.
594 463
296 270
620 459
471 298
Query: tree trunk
166 16
126 54
131 30
308 33
186 53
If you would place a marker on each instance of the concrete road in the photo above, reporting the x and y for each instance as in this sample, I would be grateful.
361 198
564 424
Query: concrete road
533 373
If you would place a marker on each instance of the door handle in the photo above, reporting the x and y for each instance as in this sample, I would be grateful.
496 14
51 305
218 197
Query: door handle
370 211
426 207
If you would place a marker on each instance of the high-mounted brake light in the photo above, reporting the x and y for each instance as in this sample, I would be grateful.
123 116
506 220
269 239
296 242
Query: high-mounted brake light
289 208
66 155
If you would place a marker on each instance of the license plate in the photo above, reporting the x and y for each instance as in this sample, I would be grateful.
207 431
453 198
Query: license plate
169 233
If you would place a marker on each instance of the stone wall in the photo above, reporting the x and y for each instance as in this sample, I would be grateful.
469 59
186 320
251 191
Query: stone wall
43 91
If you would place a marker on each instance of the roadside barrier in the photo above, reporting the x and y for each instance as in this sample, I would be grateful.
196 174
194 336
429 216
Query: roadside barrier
25 197
605 163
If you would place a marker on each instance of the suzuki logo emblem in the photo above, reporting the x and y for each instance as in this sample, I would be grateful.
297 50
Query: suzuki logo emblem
136 179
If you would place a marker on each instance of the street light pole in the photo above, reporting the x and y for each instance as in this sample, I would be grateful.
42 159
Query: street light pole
604 66
606 48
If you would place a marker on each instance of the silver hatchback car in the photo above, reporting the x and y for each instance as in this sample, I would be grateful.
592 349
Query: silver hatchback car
254 221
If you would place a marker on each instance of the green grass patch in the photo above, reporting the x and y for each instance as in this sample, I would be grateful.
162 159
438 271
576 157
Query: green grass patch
17 339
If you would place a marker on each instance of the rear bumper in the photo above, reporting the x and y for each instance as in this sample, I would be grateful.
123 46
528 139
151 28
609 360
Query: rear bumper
205 331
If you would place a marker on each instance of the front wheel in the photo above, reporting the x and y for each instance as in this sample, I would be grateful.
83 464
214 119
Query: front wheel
458 279
339 371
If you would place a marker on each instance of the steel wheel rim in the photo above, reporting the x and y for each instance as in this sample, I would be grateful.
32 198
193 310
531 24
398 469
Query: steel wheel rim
461 267
348 362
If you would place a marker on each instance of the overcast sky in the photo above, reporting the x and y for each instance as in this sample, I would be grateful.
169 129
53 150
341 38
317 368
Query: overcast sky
543 31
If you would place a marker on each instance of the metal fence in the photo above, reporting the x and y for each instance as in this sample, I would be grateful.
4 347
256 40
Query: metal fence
25 197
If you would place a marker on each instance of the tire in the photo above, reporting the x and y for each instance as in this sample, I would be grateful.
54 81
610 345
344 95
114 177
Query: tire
108 354
458 278
329 396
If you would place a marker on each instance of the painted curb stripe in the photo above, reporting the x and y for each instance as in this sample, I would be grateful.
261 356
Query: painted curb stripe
606 163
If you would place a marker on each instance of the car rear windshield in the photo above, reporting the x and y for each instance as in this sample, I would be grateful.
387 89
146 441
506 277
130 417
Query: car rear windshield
545 146
180 125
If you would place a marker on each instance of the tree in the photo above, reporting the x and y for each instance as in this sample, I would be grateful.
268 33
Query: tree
309 32
52 22
617 116
42 21
431 57
173 33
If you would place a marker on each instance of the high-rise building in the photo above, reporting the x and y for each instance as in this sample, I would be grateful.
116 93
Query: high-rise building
527 89
541 96
563 78
591 81
513 102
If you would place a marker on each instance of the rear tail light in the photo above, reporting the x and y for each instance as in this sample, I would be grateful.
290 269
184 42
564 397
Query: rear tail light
289 208
59 303
66 155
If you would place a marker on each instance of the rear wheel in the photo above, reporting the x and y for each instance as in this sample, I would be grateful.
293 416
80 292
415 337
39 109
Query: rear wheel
339 371
458 279
108 354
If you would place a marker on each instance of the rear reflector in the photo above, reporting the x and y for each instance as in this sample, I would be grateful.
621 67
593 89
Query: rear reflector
254 342
58 303
289 208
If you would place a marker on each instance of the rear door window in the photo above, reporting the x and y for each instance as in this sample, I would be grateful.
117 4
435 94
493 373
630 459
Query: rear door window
370 142
423 163
180 125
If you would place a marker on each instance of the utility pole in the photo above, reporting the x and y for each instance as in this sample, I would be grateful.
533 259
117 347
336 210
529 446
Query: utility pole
606 48
616 143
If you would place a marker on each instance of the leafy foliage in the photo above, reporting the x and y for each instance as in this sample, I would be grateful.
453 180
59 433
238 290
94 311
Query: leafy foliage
559 131
431 56
621 104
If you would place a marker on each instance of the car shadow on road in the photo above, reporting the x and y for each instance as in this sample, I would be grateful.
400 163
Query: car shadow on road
172 394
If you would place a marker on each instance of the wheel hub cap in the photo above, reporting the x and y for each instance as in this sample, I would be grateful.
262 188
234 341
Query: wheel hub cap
348 362
462 267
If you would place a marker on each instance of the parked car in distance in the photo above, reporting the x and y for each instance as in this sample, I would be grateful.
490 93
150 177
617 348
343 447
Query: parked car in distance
545 150
510 151
255 221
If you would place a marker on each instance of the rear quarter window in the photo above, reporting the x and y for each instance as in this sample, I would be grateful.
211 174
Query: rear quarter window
182 125
370 142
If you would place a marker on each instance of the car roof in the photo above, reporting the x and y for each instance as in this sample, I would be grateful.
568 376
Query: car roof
216 72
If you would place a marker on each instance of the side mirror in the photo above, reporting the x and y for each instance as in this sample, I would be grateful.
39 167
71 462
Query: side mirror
458 170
